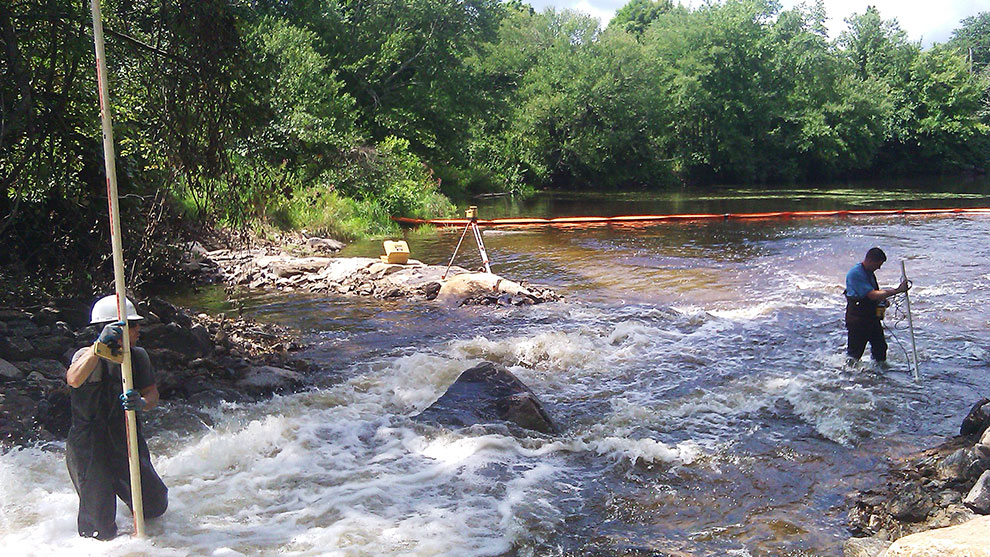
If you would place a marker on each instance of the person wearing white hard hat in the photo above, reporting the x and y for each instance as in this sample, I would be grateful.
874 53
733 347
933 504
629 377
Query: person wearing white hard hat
96 450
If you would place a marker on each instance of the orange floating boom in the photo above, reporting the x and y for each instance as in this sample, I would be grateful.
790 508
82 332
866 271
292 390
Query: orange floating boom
629 219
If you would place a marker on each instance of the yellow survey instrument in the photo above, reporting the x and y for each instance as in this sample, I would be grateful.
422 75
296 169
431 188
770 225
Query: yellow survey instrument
107 353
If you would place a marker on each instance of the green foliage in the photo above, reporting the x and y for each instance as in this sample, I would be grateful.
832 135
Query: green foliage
310 115
391 177
333 114
973 41
637 15
878 48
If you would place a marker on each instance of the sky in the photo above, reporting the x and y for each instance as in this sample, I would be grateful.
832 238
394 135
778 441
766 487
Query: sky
929 21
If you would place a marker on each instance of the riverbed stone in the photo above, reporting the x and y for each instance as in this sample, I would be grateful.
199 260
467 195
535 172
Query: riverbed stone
9 372
911 504
978 420
461 287
864 547
958 466
978 498
486 394
268 379
971 539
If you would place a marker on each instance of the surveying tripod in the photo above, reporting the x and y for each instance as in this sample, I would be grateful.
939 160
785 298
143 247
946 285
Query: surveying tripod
472 215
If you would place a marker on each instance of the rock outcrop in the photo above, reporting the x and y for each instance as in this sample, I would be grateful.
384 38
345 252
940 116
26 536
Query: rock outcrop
487 394
970 539
364 276
200 358
939 488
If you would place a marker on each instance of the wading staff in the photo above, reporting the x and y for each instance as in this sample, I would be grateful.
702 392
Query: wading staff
907 304
137 501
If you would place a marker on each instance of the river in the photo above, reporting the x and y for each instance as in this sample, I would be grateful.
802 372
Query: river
697 370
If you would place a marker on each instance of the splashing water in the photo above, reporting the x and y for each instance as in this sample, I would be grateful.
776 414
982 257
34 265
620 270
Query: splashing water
697 371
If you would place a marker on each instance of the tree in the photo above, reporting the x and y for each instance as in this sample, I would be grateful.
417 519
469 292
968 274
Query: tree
878 48
947 131
721 91
637 15
973 39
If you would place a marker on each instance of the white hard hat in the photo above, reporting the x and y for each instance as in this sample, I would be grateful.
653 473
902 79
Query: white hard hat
105 310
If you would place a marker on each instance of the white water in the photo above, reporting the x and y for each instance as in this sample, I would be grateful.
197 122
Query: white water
710 415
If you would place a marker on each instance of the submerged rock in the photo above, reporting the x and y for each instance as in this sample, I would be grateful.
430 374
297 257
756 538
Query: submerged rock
486 394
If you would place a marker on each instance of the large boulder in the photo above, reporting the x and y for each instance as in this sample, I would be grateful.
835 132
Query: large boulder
260 380
461 288
487 394
971 539
978 498
978 419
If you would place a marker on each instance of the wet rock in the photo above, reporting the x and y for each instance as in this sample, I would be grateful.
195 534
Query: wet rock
864 547
431 290
17 416
9 372
978 499
971 539
34 399
50 346
487 394
55 411
978 419
269 379
951 515
165 311
215 396
911 504
960 466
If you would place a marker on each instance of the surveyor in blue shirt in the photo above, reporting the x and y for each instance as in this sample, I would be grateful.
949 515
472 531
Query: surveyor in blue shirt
865 303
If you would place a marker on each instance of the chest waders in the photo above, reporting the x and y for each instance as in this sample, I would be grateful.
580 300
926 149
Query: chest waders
96 456
863 326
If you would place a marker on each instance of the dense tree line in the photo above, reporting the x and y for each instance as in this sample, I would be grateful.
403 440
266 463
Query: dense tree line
335 114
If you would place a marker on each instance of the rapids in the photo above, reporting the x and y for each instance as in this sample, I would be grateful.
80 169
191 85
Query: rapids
697 370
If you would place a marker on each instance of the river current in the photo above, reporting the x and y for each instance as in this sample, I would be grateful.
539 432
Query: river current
697 371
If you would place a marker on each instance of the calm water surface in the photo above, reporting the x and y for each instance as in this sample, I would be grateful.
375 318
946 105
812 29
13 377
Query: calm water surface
697 371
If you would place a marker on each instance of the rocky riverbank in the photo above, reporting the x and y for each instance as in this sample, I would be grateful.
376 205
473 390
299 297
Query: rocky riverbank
306 267
926 494
204 359
198 358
